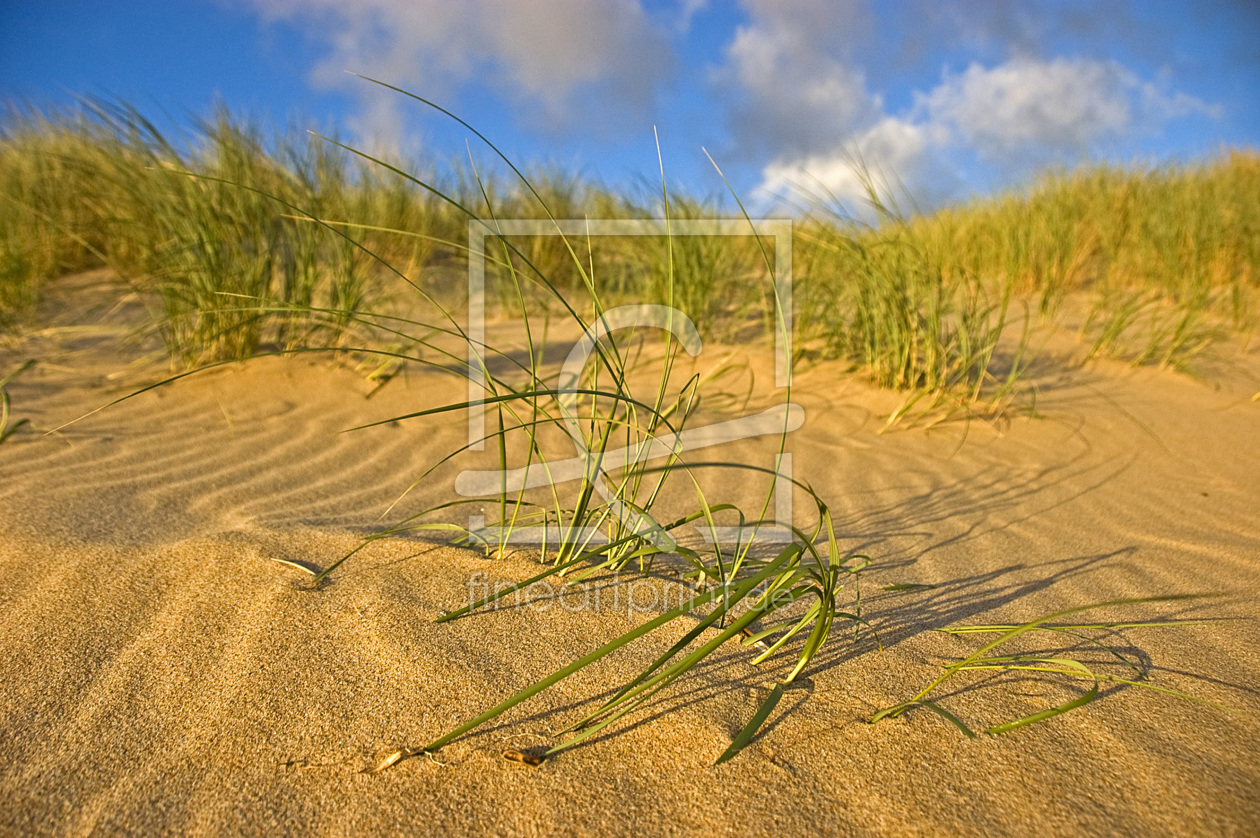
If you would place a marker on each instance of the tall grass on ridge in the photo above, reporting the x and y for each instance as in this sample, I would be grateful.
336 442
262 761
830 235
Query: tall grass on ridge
205 224
215 244
1168 257
45 228
881 296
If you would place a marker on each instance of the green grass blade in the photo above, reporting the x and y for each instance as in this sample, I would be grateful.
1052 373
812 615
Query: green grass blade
580 663
1048 713
729 597
754 724
944 714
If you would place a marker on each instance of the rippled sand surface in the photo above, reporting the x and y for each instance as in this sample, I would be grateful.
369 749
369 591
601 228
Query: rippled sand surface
165 674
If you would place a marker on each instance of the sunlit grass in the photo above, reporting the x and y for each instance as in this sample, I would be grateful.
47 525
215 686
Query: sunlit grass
1167 260
1091 653
1179 242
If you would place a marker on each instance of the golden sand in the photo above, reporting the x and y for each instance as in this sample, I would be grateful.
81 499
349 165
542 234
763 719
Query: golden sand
165 673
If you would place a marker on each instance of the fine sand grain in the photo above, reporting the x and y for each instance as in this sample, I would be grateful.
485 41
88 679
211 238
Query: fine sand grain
164 673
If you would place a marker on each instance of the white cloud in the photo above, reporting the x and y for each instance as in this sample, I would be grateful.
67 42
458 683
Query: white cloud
895 156
1059 103
1026 106
553 59
1014 116
794 91
1158 105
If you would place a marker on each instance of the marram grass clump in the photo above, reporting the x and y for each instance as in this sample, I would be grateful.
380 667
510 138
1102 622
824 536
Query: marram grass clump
793 594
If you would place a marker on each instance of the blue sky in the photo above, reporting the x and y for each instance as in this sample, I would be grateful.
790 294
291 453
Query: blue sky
951 99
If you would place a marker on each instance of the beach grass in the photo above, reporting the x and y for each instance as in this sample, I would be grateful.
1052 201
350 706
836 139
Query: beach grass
1161 262
615 520
1081 653
1180 241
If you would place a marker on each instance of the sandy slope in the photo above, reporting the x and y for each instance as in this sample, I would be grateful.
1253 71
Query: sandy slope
163 675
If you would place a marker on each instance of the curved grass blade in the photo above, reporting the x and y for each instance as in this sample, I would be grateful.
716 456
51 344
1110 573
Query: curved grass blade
729 598
580 663
1049 713
646 690
754 724
938 710
981 660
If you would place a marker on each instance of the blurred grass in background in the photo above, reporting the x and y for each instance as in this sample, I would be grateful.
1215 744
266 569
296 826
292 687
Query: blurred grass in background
1147 264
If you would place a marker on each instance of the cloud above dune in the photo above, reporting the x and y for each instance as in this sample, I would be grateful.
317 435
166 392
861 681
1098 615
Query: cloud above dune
794 86
1028 105
561 64
800 88
806 73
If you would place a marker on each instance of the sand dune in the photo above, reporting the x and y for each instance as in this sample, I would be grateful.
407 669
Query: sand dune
164 673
